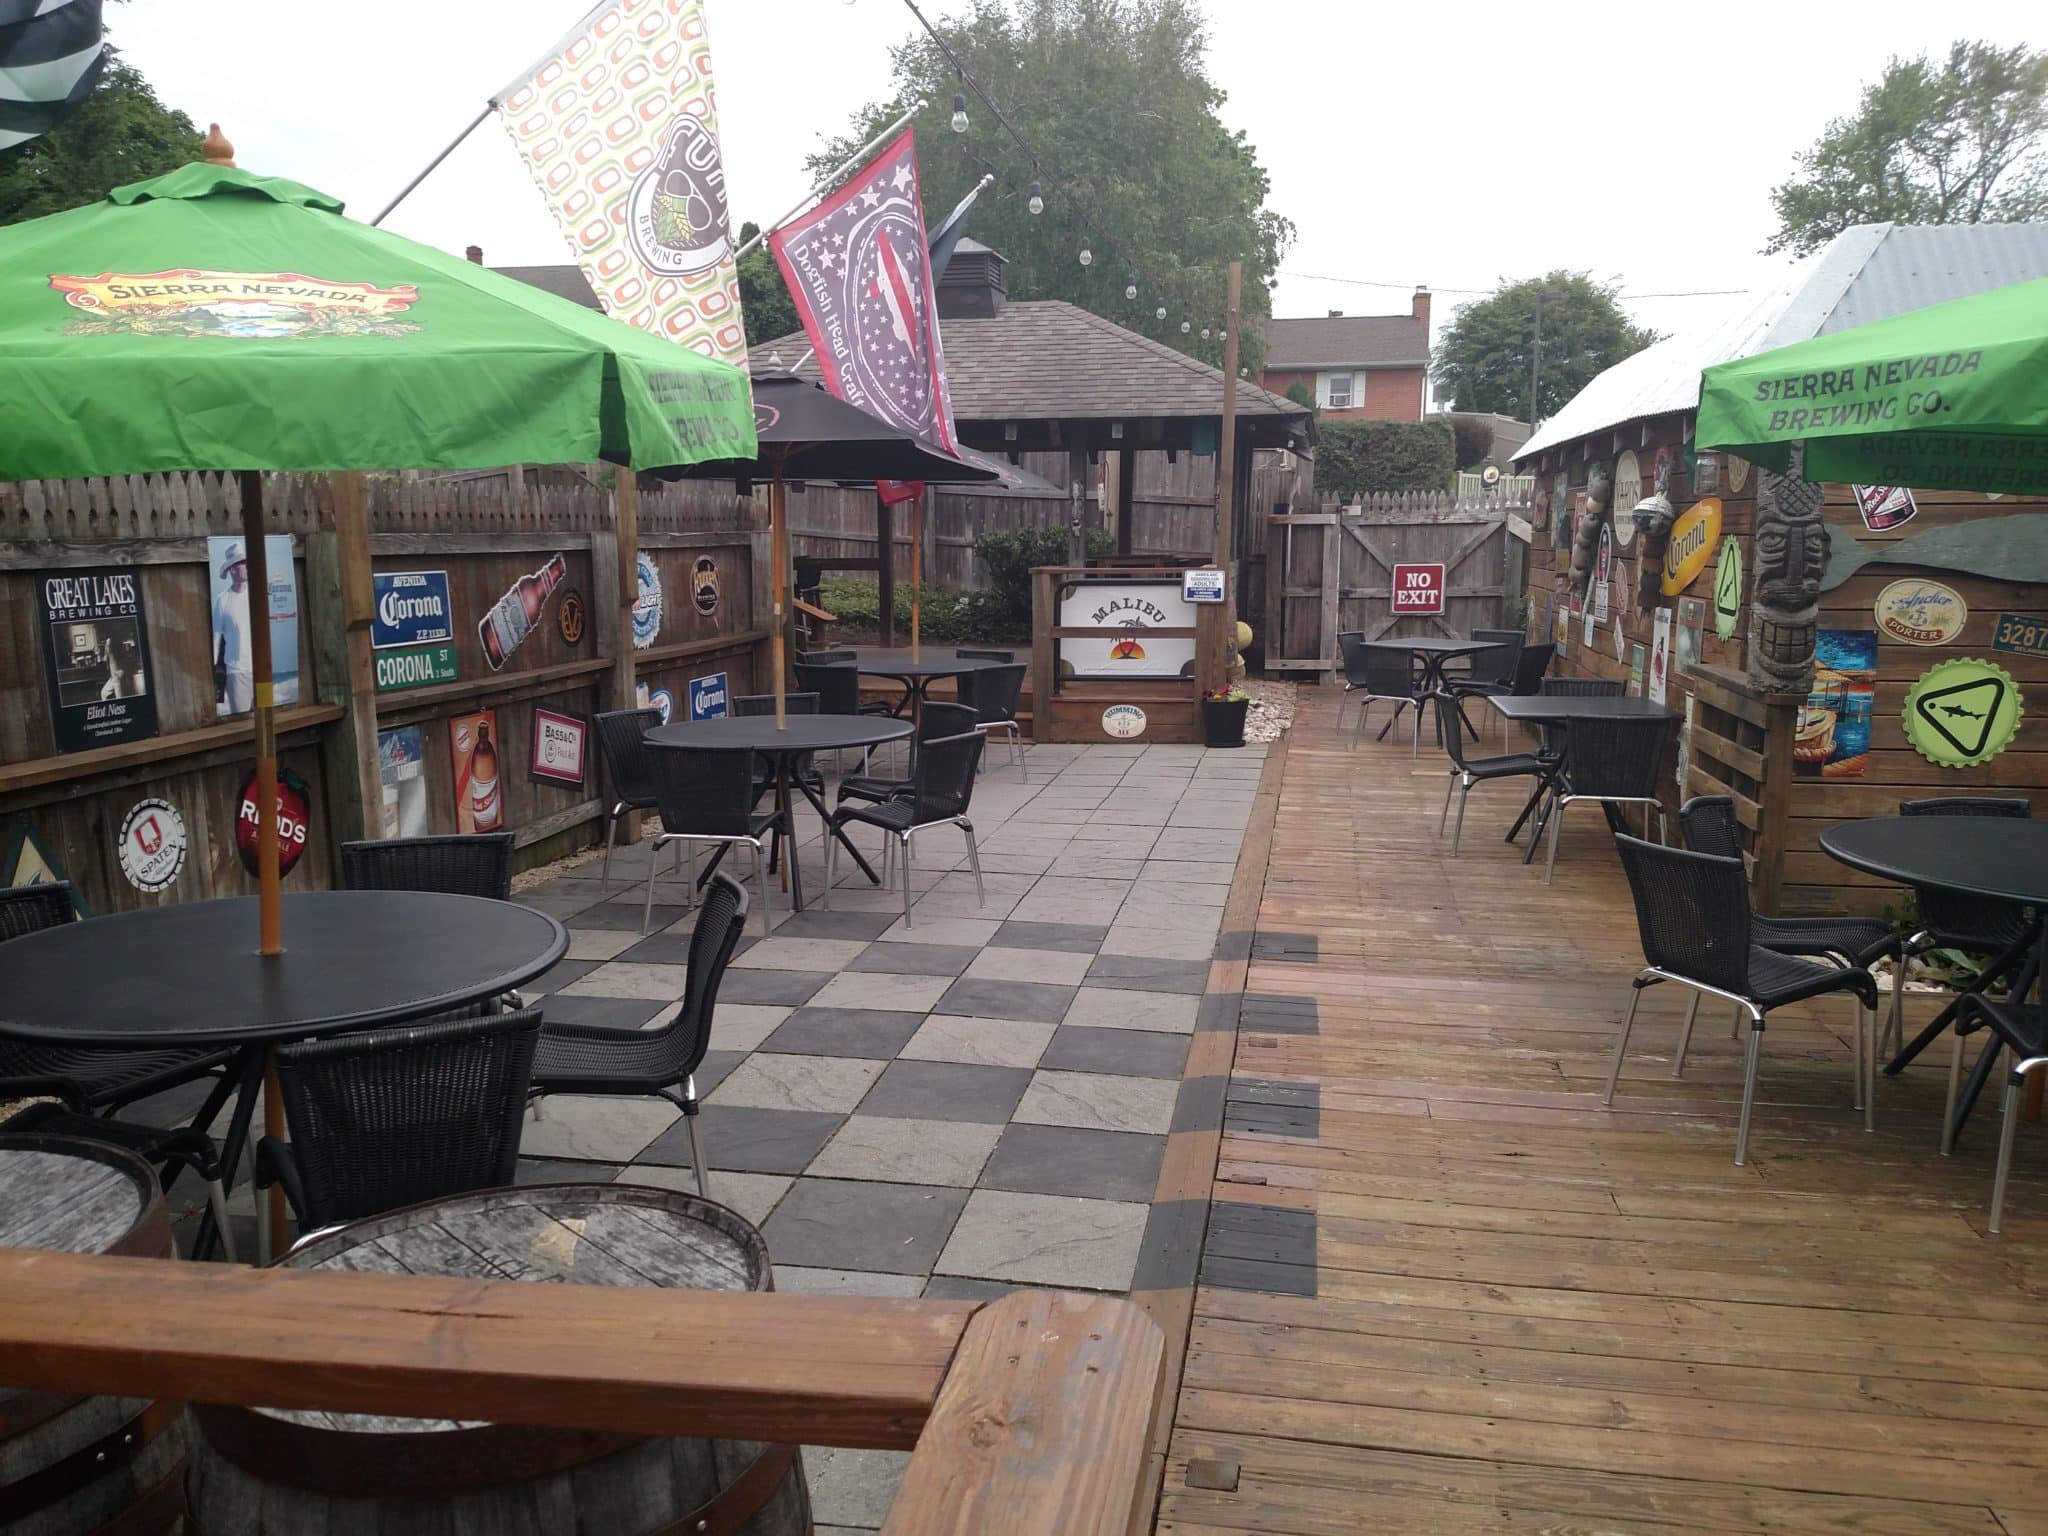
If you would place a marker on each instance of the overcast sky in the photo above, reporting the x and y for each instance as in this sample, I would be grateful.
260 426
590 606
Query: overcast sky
1446 144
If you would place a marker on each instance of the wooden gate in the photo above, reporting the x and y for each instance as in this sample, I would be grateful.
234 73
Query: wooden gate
1333 570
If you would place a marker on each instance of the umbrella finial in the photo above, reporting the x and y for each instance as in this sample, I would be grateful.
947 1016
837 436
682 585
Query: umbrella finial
217 150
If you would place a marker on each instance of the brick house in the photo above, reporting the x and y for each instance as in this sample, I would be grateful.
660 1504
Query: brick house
1358 365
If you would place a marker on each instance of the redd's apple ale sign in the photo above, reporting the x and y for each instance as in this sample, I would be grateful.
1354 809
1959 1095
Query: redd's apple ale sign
294 821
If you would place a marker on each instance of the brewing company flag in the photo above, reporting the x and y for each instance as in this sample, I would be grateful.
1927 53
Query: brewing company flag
858 268
621 134
51 55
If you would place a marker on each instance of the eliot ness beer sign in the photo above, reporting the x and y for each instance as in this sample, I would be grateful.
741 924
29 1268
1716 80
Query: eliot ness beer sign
96 657
412 629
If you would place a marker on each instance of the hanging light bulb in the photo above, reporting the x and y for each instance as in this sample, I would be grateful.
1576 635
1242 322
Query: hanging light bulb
959 111
1087 256
1159 311
1205 333
1036 202
1186 325
1130 288
1244 370
1221 334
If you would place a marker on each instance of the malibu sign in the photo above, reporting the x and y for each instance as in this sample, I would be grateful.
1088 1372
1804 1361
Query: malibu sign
1694 538
412 629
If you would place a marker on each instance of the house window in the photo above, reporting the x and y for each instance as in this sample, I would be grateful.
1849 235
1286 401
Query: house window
1340 392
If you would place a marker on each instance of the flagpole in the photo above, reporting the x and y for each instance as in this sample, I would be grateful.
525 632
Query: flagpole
916 570
434 164
827 182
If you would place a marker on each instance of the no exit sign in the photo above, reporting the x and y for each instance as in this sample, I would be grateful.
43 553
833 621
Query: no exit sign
1418 589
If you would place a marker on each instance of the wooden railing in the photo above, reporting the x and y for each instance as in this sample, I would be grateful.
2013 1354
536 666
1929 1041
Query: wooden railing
1741 746
1025 1416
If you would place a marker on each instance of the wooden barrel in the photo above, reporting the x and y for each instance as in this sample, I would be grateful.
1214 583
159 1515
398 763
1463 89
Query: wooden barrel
71 1465
275 1473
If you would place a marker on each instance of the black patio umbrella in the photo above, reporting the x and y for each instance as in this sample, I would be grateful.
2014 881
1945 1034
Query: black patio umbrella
807 434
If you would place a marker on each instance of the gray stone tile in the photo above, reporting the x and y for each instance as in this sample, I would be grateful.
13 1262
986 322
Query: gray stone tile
1045 1240
749 1140
859 989
1189 871
743 1026
840 1224
852 1490
600 943
826 1083
1149 973
915 959
623 915
1127 1052
661 949
974 931
753 1195
843 1282
621 978
904 1151
1153 910
787 989
978 1042
560 974
606 1012
817 924
786 954
1072 1160
1036 1002
1114 1008
595 1128
1070 938
1099 1101
947 1091
866 1032
550 1170
1036 965
714 1069
1163 943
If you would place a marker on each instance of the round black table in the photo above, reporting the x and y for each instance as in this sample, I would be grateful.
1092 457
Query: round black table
917 673
1433 651
188 974
798 735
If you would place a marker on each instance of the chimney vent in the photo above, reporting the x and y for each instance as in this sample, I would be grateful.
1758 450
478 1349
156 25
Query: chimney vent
1336 314
475 253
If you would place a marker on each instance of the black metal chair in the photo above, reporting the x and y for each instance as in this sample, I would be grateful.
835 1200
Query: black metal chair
710 797
2020 1029
1466 772
1378 674
1693 914
1615 762
621 742
397 1116
1491 669
1524 674
1573 688
655 1063
838 689
941 787
90 1078
940 720
992 694
476 865
169 1149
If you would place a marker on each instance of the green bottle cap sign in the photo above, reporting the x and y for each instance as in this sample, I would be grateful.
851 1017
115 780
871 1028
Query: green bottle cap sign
1728 588
1962 712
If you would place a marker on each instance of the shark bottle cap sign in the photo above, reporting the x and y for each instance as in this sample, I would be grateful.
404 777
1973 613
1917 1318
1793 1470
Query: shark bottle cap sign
1962 712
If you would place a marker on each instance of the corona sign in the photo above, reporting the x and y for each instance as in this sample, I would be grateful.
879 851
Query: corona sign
1694 538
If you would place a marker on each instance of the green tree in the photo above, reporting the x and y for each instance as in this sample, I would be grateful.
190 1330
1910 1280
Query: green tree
1116 98
120 133
1961 142
764 299
1483 358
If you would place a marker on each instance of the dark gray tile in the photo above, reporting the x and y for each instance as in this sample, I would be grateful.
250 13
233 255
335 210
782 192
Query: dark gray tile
559 975
1036 1001
1069 938
875 1033
1171 1251
896 1229
609 1012
1257 1107
940 1090
1144 973
1125 1052
963 1288
1199 1104
660 949
1065 1160
916 959
1260 1248
782 989
749 1140
615 915
550 1170
815 924
1280 1013
714 1069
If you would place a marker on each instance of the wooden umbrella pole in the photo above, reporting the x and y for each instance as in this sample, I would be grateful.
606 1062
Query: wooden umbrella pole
916 568
778 555
270 921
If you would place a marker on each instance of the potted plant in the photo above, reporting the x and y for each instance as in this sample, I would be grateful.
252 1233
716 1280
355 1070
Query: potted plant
1223 711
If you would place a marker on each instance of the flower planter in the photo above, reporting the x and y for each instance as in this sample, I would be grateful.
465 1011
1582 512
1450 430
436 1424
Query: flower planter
1223 722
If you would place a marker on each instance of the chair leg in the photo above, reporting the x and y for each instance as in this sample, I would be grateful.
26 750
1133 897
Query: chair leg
1458 832
1955 1083
217 1197
831 857
974 861
698 1161
1895 1030
690 853
1692 1012
1628 1019
2008 1129
1858 1101
1756 1041
905 856
1735 1023
611 837
647 907
1450 785
761 887
1558 803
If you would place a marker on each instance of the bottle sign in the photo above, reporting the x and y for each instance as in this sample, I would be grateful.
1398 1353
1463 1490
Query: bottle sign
517 614
486 808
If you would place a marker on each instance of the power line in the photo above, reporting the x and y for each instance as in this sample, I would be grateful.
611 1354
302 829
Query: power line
1368 282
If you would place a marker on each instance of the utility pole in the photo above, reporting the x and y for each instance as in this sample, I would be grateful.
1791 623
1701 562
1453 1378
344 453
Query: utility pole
1543 296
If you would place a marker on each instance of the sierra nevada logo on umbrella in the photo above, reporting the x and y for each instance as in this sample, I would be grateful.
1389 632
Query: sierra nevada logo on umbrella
189 301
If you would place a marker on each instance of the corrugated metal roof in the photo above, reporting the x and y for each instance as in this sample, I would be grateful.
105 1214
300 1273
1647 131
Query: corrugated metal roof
1870 272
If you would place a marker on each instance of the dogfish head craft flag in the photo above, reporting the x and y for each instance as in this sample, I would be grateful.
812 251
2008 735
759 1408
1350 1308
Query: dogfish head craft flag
860 273
52 54
620 131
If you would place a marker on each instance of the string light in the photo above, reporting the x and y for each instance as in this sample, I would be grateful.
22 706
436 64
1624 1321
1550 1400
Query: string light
959 111
1205 333
1036 203
1186 325
1159 313
1131 288
1087 256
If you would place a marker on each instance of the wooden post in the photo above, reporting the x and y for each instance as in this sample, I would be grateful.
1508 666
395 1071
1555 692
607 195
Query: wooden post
885 569
1226 486
626 556
340 603
778 555
1126 489
1773 799
1044 612
270 921
1077 505
916 568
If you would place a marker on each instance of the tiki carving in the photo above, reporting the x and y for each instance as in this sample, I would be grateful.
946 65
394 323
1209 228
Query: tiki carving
1791 558
1586 544
1655 514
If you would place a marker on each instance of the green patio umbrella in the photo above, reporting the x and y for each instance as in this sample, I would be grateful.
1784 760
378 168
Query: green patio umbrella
1950 397
215 320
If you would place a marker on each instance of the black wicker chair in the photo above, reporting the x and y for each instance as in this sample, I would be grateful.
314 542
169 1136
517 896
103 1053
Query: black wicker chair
941 786
1574 688
1499 672
1466 772
398 1116
1375 674
170 1149
621 742
1693 914
940 720
838 689
803 767
479 864
90 1078
710 797
1615 762
589 1058
2020 1029
992 694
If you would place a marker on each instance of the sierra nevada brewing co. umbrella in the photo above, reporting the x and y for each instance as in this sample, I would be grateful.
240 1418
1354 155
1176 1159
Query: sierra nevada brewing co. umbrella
211 319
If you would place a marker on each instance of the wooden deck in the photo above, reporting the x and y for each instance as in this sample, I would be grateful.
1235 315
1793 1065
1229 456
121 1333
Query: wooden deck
1445 1290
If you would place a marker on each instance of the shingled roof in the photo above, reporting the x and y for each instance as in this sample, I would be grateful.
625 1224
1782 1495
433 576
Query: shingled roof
565 282
1047 360
1347 341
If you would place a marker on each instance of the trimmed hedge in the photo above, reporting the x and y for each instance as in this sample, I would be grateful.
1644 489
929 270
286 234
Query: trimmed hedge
1360 457
945 617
